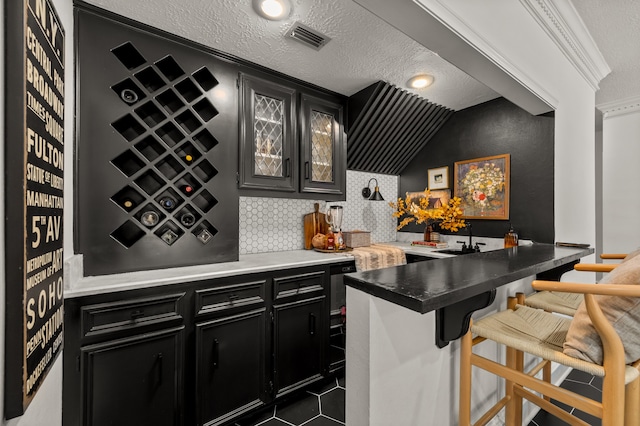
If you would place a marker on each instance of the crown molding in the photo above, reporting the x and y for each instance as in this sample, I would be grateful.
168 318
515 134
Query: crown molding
441 11
620 107
562 23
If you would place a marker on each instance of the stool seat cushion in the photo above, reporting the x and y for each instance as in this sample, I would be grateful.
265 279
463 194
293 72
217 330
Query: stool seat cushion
623 313
539 333
555 301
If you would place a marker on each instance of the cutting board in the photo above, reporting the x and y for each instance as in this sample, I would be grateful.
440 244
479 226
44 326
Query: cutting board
314 223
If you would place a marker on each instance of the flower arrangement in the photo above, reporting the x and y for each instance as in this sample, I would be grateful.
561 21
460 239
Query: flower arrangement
481 184
446 216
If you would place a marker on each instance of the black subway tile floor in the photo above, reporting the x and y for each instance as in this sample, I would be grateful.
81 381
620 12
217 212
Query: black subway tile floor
323 405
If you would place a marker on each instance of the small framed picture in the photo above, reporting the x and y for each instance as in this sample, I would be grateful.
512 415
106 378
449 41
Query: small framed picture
438 178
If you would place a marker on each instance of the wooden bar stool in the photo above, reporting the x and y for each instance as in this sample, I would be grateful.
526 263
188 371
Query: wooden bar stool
522 329
562 302
567 303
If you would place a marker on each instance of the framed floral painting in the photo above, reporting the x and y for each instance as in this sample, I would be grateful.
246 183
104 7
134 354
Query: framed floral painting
483 186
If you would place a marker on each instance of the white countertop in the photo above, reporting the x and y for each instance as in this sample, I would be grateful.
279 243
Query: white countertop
249 263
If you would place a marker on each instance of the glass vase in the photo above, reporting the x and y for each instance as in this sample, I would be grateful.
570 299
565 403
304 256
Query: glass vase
427 232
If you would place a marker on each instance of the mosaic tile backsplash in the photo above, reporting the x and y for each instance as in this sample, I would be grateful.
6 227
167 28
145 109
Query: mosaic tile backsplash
275 224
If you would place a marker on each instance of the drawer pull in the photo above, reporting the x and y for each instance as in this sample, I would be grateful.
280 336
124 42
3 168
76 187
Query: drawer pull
233 297
312 324
159 366
215 354
137 314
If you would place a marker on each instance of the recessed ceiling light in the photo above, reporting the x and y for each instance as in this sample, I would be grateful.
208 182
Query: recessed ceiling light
420 81
274 10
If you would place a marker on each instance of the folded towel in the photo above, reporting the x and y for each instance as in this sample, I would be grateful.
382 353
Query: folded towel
378 256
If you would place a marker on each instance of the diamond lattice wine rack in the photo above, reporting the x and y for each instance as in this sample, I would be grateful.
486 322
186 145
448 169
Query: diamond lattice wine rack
157 151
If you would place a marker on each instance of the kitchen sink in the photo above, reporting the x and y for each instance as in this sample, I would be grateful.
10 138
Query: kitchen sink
456 252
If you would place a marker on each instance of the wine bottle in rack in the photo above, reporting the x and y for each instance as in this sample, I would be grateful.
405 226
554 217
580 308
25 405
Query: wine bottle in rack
187 219
187 189
168 203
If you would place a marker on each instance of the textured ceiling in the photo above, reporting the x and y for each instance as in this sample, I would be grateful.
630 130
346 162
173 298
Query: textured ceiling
363 49
615 27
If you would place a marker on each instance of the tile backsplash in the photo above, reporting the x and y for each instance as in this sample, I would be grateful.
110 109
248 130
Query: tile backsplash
275 224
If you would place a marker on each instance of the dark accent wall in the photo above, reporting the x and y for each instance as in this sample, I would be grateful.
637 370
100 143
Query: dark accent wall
493 128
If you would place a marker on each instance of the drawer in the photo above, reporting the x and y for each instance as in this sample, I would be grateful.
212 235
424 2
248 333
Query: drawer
229 297
298 284
111 317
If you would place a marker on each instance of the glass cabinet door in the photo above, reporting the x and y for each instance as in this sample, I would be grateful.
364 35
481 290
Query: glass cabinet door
322 135
267 136
323 146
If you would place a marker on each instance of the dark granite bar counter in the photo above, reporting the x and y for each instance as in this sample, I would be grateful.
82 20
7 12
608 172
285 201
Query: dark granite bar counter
427 286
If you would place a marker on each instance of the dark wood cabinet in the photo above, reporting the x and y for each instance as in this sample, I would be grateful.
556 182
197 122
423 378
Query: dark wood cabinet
290 141
124 360
230 366
134 381
268 147
322 143
196 353
230 348
299 343
300 329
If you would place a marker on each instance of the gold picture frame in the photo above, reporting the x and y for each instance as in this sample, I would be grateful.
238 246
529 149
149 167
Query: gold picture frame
483 185
437 198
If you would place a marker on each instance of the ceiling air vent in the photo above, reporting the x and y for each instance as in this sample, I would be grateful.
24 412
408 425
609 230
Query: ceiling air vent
308 36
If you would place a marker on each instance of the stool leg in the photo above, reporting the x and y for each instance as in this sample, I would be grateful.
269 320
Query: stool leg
546 376
510 411
632 404
464 410
517 400
514 360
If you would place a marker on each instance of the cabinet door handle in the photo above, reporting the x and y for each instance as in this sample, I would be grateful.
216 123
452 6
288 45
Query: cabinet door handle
312 324
287 167
306 170
215 354
159 366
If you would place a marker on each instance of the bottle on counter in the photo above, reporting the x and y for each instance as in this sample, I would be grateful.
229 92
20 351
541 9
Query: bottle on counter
339 241
331 241
510 238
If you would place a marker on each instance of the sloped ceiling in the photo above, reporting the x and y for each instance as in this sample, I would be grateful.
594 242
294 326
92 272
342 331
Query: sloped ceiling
363 50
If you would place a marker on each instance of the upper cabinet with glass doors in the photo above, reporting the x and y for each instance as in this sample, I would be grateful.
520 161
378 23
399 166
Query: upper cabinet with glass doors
323 148
267 135
290 142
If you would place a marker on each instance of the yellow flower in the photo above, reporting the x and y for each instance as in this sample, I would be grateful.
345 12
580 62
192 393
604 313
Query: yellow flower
448 215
